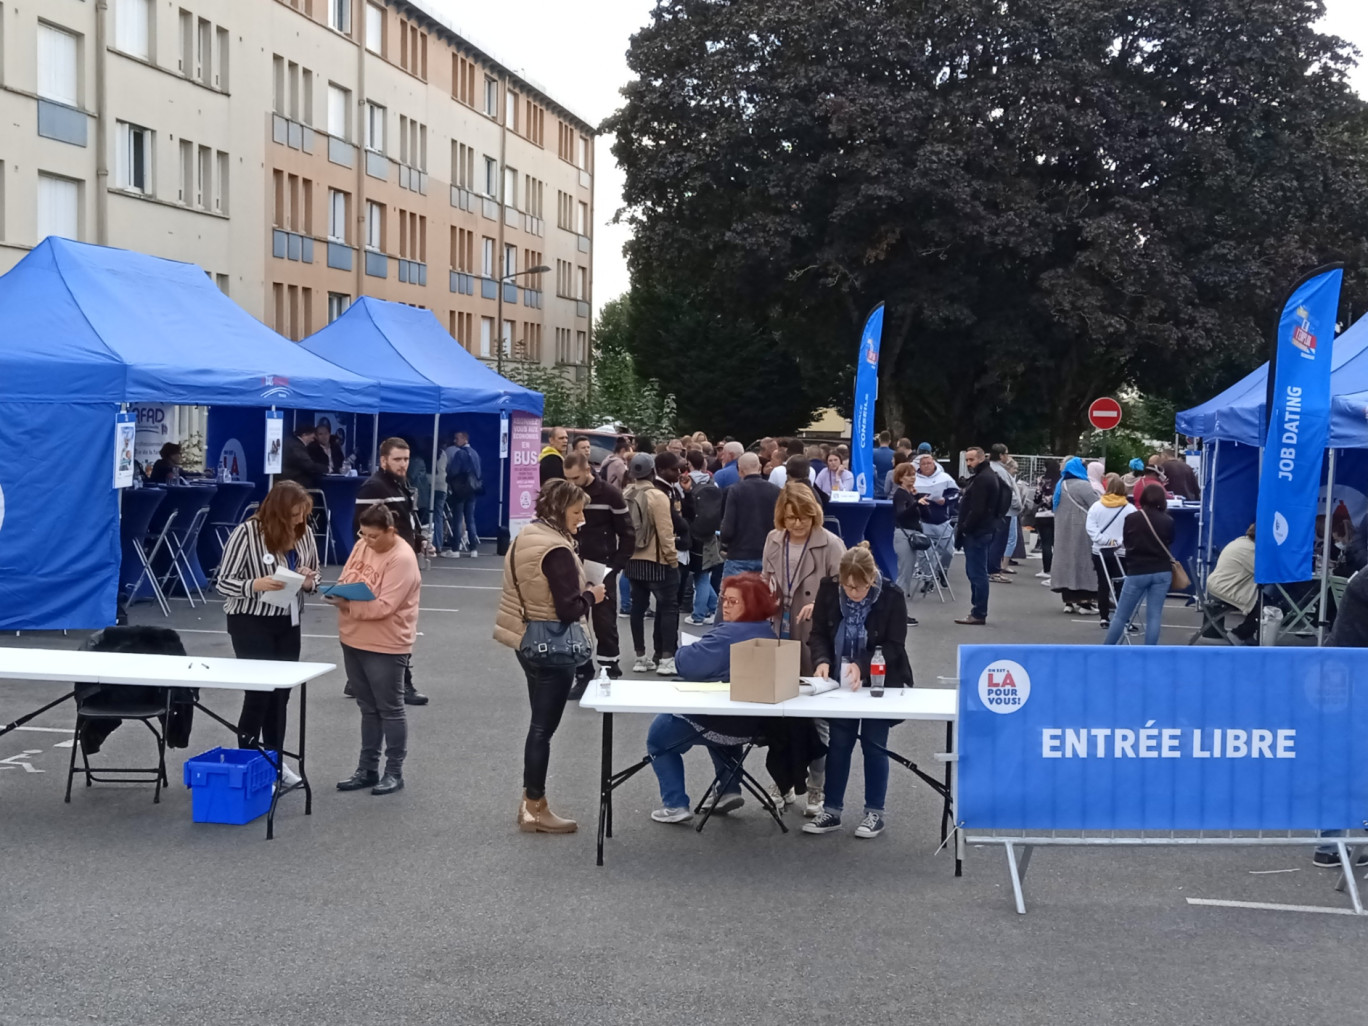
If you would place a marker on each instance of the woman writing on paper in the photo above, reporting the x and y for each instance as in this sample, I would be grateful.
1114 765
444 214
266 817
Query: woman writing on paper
857 613
377 640
544 581
275 538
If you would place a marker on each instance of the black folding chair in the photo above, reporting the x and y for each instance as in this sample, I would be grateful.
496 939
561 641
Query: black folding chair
737 771
1214 612
151 706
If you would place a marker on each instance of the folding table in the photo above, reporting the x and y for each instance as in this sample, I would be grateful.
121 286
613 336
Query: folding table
653 697
167 671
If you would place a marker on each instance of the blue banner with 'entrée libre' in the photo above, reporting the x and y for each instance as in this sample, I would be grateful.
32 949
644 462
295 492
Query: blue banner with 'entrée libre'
866 393
1056 737
1298 432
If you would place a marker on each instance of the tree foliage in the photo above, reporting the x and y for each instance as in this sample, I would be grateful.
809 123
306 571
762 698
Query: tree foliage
1054 197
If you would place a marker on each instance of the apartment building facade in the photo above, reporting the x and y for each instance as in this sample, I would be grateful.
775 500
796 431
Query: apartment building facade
305 153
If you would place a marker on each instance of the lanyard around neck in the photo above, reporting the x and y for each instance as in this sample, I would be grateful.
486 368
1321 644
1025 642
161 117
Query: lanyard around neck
788 573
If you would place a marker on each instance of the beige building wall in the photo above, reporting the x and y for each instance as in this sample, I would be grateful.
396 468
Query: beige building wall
203 130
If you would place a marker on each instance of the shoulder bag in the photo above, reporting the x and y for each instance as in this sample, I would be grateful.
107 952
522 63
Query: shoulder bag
1180 580
549 643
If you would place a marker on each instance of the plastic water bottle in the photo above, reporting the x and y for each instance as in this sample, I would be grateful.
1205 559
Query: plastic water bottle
877 669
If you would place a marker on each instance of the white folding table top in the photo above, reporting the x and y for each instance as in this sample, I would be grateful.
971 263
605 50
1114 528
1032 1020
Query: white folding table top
155 670
662 696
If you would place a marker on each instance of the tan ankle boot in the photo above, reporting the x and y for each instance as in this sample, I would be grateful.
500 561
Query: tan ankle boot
535 818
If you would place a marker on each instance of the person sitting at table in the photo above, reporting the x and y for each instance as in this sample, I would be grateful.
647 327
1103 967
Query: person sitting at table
748 607
377 638
856 613
167 469
834 477
275 537
327 448
1232 581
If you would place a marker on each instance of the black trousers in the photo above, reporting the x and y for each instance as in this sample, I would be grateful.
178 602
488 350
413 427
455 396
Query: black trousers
1045 531
604 618
1107 566
263 712
666 631
548 688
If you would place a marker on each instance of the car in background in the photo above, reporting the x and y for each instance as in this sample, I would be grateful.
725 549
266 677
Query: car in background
601 442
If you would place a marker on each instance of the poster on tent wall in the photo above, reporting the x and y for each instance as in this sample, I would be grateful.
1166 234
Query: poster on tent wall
524 477
275 440
1298 432
154 431
125 439
866 392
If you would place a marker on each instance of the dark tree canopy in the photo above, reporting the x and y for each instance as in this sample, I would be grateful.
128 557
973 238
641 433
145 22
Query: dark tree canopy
1054 198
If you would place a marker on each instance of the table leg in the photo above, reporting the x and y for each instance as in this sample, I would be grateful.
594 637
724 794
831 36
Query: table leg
6 728
303 773
949 810
605 786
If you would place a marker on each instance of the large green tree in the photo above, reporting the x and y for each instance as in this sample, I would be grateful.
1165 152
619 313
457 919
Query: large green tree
1054 198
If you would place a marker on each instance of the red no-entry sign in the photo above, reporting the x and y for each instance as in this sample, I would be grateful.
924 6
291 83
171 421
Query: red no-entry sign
1104 414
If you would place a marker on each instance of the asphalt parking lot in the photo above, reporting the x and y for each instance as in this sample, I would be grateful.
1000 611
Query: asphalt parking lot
430 907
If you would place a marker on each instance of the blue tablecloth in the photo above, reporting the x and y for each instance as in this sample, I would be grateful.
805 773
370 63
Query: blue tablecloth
137 506
1186 532
229 503
868 520
340 493
185 502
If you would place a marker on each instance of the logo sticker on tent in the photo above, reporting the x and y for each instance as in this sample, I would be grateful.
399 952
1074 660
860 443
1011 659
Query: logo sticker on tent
275 386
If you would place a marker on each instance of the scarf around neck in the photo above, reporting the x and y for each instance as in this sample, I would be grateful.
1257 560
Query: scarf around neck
851 638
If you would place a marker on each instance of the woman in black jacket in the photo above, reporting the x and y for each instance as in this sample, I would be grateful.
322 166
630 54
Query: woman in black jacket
1148 538
852 618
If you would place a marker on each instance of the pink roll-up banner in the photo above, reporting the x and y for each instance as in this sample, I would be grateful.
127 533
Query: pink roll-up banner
524 478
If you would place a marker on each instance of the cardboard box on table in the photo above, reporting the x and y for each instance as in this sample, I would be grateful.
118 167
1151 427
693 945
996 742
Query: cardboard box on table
765 670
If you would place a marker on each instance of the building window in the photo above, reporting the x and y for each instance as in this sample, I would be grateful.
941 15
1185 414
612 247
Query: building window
58 65
375 226
135 158
339 16
221 182
511 109
187 172
185 63
337 305
375 127
375 29
462 165
222 42
582 283
582 152
463 80
582 219
511 187
339 112
59 207
337 216
581 347
221 280
132 28
487 257
204 53
510 265
491 96
491 177
486 336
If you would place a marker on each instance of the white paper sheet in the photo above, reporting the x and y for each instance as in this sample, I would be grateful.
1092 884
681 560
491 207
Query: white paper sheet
594 572
284 598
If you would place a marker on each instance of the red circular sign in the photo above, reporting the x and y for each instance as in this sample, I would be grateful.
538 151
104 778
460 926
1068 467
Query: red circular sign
1104 414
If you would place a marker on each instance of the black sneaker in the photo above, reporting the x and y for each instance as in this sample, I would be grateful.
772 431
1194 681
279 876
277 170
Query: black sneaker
1331 860
578 689
614 671
911 621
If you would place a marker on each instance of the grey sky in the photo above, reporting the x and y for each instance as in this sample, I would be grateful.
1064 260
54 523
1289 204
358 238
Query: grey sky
577 51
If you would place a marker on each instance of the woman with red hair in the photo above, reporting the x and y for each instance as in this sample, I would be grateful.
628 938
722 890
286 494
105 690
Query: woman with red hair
748 606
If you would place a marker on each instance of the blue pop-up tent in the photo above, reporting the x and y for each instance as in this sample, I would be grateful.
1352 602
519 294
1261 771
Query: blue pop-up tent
428 383
86 328
1232 428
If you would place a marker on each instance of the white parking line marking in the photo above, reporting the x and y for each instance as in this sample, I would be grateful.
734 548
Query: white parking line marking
48 730
22 760
1267 906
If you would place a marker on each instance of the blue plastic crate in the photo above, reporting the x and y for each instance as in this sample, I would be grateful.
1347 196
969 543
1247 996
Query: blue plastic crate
229 785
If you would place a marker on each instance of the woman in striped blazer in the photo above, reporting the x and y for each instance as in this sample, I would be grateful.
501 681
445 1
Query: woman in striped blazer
277 537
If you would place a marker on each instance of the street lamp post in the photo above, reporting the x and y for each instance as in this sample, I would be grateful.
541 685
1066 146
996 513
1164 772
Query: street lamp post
498 325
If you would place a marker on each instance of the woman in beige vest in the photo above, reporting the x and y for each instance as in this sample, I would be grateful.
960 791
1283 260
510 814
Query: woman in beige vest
543 579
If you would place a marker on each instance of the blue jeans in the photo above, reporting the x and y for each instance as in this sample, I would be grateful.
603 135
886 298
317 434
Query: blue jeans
873 733
976 568
624 594
997 550
463 522
667 741
704 598
438 521
1150 587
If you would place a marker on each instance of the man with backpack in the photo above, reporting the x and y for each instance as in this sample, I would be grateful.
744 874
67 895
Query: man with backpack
465 483
653 570
982 505
606 537
705 550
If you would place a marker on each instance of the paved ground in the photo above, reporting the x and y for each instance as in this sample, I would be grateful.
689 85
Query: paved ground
430 907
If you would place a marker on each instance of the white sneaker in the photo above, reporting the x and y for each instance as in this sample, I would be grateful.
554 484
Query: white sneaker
781 801
1042 573
667 667
814 804
642 665
473 553
1070 609
288 777
448 554
1045 583
668 815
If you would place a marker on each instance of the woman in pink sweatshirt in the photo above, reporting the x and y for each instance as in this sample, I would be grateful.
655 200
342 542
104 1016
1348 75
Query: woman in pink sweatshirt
377 636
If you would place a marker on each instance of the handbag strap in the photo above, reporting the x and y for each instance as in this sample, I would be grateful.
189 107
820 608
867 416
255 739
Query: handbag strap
513 569
1158 539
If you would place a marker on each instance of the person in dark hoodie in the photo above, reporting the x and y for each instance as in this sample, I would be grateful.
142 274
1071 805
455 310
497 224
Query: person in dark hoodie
607 537
978 520
389 487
